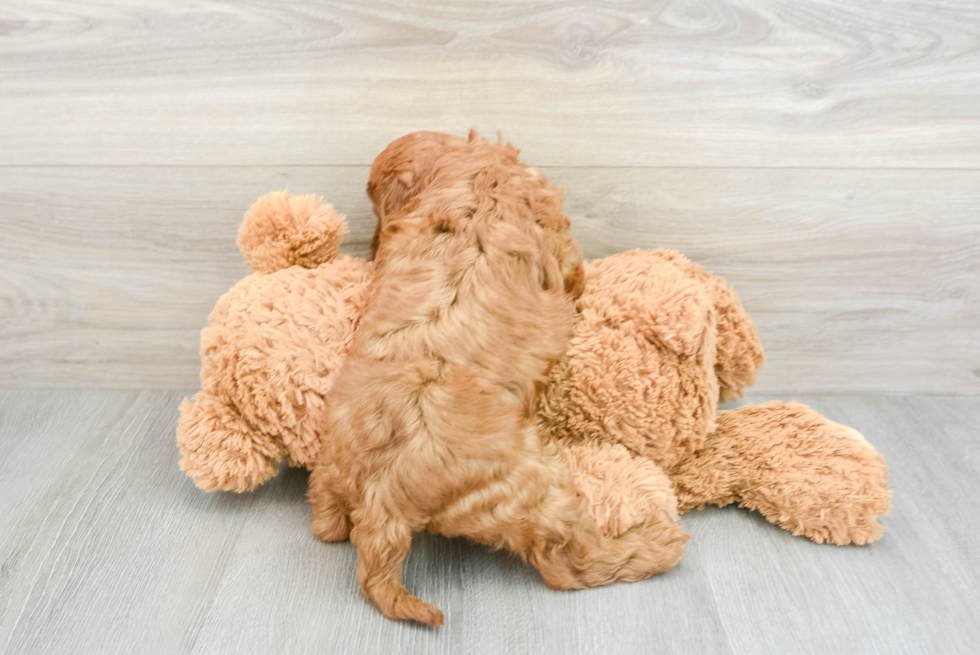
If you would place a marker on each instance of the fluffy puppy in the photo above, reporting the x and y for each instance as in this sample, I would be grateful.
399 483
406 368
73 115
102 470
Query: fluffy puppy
432 424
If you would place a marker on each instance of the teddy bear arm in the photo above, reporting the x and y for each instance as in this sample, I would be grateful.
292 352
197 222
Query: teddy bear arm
805 473
220 450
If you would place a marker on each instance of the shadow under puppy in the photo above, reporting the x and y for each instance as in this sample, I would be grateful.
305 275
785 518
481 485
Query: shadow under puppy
432 423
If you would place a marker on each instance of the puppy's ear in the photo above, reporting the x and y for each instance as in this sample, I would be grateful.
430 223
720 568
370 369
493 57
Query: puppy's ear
551 275
557 276
388 226
575 281
546 204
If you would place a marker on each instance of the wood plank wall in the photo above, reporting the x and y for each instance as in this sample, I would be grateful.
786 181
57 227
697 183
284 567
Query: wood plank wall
822 155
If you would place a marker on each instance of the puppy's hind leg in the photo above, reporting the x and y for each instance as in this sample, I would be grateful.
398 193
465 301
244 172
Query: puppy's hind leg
382 546
572 551
576 555
330 519
634 506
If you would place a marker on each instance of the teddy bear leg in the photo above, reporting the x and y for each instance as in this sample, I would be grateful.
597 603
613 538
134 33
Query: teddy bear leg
805 473
331 521
220 451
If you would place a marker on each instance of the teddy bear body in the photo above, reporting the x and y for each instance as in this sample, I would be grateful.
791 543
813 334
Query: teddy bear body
272 347
659 342
633 404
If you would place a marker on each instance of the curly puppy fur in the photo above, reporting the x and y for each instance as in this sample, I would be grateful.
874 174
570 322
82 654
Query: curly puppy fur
410 164
432 422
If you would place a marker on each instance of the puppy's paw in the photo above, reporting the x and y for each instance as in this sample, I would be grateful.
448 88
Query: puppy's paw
331 528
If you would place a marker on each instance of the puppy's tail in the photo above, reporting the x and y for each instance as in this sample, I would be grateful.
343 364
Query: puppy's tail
382 544
281 230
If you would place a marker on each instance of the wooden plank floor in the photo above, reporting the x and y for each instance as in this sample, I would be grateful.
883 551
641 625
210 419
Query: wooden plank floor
107 548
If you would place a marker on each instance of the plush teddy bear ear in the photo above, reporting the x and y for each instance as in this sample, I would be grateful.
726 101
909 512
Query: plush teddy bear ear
281 230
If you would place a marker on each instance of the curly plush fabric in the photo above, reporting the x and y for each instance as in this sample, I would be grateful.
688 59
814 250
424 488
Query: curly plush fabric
640 368
803 472
270 354
281 230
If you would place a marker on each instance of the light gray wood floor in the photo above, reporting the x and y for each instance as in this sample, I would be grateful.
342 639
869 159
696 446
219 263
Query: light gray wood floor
107 548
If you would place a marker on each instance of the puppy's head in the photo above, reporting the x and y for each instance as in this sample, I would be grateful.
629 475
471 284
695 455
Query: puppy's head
403 170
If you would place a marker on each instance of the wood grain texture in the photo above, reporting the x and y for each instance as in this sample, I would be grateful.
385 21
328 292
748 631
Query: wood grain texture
904 594
101 551
821 83
108 548
859 280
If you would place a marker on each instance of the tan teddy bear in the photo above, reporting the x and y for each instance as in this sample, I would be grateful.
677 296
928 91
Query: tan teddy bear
632 405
